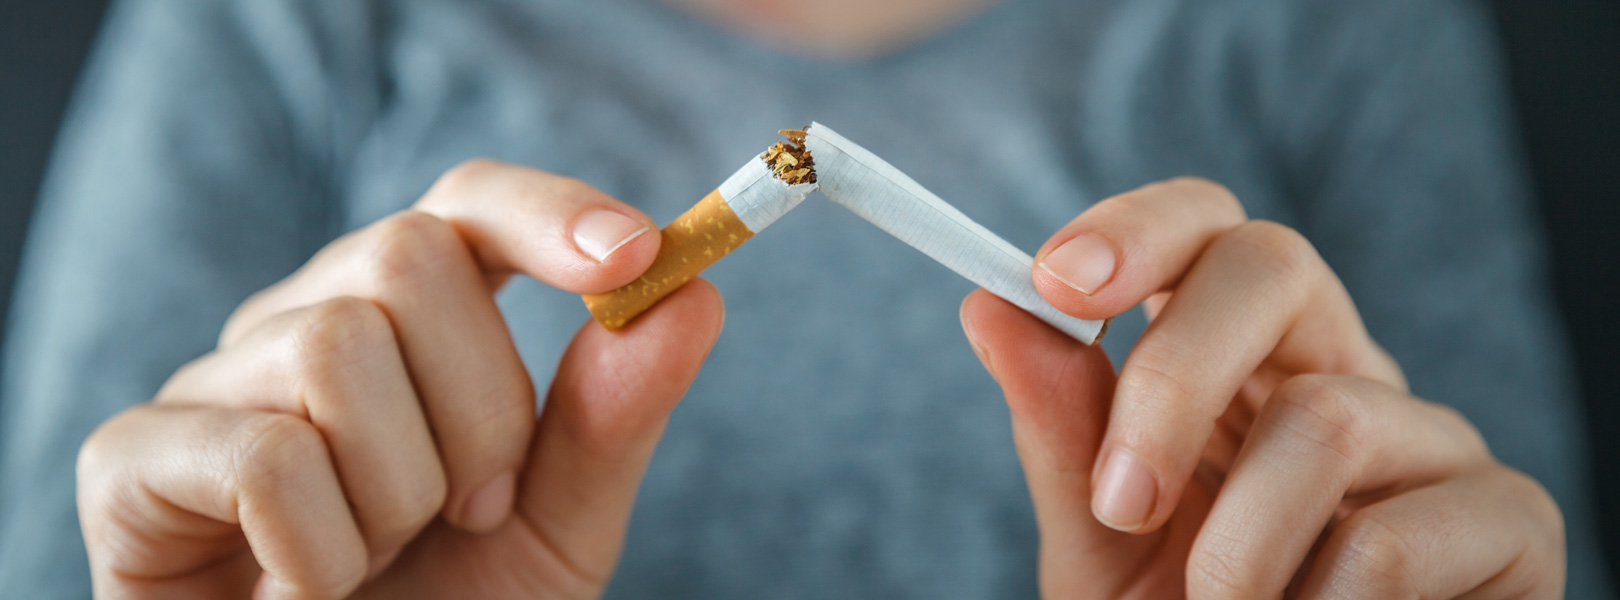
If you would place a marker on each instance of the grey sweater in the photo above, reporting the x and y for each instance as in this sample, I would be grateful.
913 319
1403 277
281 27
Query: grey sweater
842 440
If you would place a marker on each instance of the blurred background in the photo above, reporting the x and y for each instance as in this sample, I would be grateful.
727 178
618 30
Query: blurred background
1563 58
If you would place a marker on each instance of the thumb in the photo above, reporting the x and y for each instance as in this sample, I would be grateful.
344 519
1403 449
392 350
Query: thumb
1058 391
606 411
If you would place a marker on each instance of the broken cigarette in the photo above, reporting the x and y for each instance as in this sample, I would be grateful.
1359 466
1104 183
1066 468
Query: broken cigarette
857 179
758 194
767 188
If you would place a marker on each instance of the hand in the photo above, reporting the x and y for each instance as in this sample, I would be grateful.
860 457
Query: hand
368 421
1256 442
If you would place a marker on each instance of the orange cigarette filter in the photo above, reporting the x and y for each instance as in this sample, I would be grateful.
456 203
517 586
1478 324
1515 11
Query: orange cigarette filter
751 199
689 245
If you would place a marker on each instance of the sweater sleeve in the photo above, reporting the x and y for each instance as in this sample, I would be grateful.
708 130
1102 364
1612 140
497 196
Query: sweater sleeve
196 167
1410 181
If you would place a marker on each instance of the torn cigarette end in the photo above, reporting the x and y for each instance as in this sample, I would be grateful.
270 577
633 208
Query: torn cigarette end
790 161
750 200
1102 332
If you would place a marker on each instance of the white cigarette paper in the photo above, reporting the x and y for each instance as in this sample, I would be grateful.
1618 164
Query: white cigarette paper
758 197
860 181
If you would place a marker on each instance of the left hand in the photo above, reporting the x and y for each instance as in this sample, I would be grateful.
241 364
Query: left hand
1257 441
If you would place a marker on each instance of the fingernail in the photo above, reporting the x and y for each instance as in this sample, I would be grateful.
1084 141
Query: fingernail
600 233
487 507
1125 492
1085 263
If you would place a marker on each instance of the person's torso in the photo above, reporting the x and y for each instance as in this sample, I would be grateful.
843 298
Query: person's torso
842 439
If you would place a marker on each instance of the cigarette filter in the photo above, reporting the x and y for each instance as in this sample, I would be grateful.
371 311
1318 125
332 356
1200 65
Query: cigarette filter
758 194
860 181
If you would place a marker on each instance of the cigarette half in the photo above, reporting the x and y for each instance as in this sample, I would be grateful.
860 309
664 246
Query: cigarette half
758 194
870 187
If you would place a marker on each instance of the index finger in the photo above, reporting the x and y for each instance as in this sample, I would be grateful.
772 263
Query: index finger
556 229
1130 246
508 219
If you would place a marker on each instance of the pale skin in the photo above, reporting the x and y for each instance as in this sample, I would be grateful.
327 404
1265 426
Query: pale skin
365 427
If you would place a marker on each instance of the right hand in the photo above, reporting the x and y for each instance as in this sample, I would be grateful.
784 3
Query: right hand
366 424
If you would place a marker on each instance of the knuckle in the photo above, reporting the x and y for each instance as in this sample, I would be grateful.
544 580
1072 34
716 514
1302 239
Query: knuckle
1541 507
504 411
336 578
420 502
99 452
1278 248
409 506
1207 189
1317 410
106 453
192 369
1173 194
1464 431
570 188
274 451
340 332
1375 558
1150 378
253 312
239 321
468 173
277 453
489 174
411 500
410 245
1215 571
550 188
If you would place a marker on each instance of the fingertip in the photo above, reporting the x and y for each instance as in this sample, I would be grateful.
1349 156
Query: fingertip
557 229
1125 492
1037 366
599 233
1132 489
1057 392
672 337
968 314
613 245
613 388
973 312
703 302
997 326
1069 297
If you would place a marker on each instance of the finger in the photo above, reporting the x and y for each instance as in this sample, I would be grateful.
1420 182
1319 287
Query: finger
1126 248
163 487
512 220
431 276
337 365
606 411
1057 390
1318 440
553 228
465 368
1258 293
1490 534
